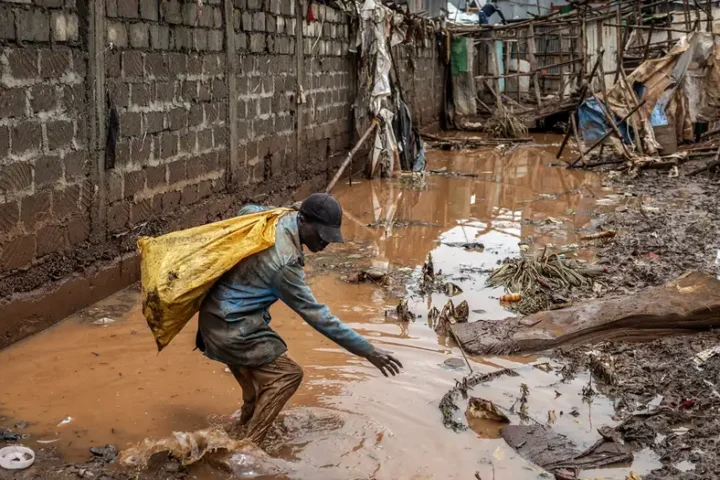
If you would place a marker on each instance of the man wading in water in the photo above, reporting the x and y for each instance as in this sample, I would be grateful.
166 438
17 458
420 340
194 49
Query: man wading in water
234 325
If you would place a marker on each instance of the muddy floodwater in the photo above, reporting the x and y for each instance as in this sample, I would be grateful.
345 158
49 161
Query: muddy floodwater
91 381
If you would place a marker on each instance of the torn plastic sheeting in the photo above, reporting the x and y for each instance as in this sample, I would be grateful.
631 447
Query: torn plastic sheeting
463 83
594 125
374 43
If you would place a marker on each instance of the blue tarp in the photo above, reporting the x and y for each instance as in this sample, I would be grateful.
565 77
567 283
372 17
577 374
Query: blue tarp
592 122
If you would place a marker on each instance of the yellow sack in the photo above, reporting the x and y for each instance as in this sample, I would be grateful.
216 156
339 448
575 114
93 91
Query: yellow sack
178 269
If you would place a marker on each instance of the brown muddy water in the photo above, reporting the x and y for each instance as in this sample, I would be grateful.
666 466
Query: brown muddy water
80 384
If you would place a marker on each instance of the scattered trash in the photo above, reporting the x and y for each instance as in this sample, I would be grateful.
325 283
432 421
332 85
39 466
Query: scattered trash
107 454
454 363
706 355
510 298
552 416
103 322
16 457
633 476
8 436
227 370
485 410
45 442
65 421
21 424
575 412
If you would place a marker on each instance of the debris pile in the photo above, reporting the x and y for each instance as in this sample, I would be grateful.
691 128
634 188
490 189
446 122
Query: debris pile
543 283
505 124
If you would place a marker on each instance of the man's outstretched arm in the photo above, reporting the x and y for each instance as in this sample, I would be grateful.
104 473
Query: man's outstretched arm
291 288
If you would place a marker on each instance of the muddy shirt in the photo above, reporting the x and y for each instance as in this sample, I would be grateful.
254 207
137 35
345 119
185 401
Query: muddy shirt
234 318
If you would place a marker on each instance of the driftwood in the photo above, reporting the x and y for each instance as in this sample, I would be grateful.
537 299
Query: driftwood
689 304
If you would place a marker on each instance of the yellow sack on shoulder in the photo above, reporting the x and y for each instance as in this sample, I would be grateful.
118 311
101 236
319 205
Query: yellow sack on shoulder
178 269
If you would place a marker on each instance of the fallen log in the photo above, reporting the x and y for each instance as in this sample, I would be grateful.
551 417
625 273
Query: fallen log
688 304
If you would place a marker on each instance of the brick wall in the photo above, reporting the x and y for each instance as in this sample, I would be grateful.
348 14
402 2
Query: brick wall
44 188
241 101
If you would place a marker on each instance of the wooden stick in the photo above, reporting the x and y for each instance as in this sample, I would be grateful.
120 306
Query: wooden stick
611 121
645 27
350 154
647 45
635 101
709 166
533 62
607 134
580 146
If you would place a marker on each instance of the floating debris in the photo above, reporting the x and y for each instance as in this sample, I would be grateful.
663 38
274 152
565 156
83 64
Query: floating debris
485 410
451 289
103 322
469 246
451 315
403 312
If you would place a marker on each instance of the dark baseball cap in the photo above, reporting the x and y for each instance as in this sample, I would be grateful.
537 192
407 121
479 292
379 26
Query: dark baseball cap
326 213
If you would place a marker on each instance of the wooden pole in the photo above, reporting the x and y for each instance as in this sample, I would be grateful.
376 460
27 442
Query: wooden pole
647 45
350 155
635 102
580 146
533 62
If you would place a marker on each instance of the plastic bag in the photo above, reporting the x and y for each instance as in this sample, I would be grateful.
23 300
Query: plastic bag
178 269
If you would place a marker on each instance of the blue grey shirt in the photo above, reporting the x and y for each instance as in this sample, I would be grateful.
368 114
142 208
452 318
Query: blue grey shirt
234 317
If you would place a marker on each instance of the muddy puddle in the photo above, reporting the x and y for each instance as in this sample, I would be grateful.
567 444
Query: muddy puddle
91 381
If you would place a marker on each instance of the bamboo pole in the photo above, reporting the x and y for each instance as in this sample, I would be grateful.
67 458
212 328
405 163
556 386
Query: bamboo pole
533 62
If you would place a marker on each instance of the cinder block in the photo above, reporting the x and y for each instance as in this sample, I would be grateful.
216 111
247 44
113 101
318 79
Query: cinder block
9 216
133 64
7 23
12 103
139 35
160 37
216 39
48 170
200 40
33 25
257 43
117 35
149 9
127 8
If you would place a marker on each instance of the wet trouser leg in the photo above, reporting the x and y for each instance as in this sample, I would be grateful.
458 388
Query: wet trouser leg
243 377
274 383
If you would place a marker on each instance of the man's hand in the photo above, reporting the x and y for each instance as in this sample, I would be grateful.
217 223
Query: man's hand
385 362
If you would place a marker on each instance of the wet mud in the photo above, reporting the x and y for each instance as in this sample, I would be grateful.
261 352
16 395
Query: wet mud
346 420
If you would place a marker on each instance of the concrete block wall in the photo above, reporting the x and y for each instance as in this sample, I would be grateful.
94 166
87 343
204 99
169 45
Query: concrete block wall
121 118
165 75
45 195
